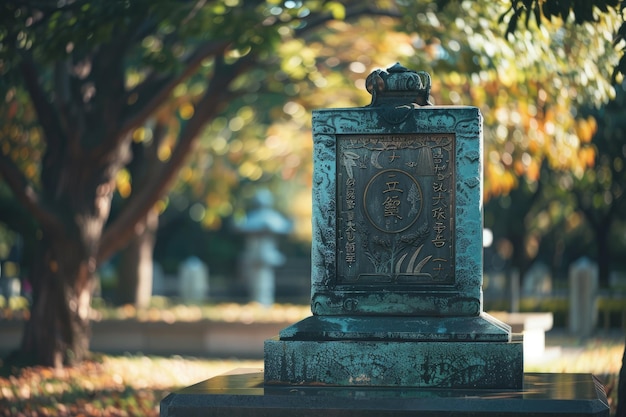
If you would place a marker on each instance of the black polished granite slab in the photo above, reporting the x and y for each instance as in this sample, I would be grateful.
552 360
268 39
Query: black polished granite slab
243 393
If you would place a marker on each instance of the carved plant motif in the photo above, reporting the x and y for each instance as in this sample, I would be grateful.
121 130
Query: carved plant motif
388 255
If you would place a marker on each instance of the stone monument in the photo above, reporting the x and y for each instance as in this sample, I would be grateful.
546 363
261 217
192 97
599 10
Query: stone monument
397 325
397 250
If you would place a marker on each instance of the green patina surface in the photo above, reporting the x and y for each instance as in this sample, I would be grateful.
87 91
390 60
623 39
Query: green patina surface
471 352
396 283
434 364
483 328
458 293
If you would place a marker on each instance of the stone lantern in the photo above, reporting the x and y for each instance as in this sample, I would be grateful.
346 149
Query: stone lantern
261 227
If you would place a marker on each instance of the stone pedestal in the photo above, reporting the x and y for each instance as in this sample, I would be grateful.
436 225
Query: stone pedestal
243 394
460 352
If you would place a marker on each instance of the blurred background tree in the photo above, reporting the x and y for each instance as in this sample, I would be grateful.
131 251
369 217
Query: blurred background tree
161 112
598 193
95 76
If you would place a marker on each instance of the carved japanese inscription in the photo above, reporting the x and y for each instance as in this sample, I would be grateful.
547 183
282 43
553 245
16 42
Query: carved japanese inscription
395 209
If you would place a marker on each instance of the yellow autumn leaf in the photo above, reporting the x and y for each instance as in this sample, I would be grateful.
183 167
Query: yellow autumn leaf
186 111
337 9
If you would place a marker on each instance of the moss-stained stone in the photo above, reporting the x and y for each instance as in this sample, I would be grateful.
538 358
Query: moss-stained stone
433 364
472 352
396 284
436 151
483 328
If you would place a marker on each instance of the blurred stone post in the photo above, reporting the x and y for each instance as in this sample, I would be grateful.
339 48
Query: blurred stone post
583 289
10 285
261 255
515 290
193 280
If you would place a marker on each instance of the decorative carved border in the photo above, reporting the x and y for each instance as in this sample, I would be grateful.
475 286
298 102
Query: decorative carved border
463 296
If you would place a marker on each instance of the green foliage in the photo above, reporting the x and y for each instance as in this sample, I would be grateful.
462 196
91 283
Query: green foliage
14 308
602 188
180 236
580 12
531 88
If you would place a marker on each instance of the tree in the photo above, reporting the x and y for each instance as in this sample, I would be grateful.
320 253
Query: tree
509 216
528 95
588 12
95 73
136 264
599 192
581 12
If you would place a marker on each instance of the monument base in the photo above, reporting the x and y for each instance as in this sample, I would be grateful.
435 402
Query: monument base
242 393
426 352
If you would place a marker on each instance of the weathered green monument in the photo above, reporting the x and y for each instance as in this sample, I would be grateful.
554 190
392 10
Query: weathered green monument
396 285
397 325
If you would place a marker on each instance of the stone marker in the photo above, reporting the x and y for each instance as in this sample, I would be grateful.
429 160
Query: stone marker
193 280
10 284
583 297
537 280
397 326
397 251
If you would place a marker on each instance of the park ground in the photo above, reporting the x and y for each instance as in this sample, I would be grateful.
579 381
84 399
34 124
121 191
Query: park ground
133 385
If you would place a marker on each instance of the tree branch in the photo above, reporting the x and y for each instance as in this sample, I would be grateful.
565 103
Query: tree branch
46 115
27 196
361 9
108 109
588 213
152 93
118 233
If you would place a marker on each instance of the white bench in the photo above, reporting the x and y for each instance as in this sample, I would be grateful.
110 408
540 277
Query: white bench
533 326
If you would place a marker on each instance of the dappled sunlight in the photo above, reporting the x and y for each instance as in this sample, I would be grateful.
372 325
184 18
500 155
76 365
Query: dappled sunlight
162 310
109 386
598 356
135 384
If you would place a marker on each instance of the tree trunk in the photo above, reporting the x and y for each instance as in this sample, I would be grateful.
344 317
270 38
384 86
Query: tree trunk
58 331
135 270
621 389
64 277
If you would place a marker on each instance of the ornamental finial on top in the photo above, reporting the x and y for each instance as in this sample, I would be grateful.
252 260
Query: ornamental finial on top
398 85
